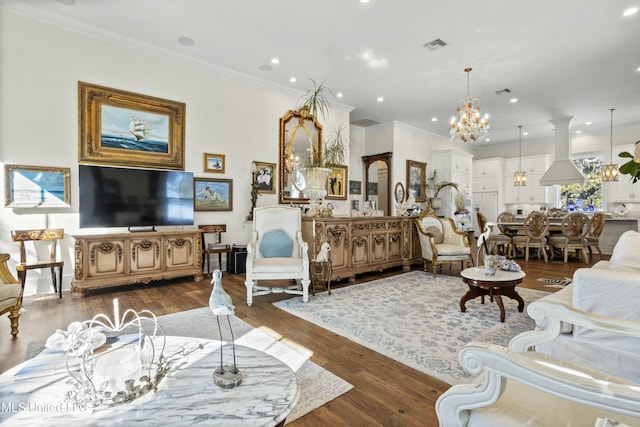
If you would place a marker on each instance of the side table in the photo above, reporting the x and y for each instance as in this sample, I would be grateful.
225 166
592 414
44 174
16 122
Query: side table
320 274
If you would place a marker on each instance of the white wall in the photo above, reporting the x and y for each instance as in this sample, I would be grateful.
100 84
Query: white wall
40 66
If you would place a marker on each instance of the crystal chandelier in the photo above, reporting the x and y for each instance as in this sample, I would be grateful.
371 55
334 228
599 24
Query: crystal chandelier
472 124
611 172
520 177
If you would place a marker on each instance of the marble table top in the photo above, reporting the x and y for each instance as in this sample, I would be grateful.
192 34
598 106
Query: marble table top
479 273
187 396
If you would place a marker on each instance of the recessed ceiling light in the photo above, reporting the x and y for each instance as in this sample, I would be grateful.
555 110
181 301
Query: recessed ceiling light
513 100
380 99
275 60
339 94
630 11
365 1
588 123
186 41
578 131
434 119
293 79
525 133
638 69
487 139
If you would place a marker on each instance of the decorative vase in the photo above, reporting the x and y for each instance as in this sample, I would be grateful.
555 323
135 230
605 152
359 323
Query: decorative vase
436 203
490 264
315 187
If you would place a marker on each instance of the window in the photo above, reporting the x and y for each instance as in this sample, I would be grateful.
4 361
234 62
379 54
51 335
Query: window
586 196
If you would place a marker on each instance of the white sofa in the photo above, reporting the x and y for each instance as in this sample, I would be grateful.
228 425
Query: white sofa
611 289
590 374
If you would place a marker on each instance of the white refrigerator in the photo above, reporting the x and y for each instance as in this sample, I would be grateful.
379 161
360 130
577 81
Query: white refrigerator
487 204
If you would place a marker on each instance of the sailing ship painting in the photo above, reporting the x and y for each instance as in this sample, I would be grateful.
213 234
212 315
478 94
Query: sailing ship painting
129 129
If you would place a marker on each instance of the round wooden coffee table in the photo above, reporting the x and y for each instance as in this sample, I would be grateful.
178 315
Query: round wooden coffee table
480 284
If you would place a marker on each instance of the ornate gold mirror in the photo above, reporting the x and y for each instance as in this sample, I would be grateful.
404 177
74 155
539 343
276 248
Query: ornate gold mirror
300 137
377 184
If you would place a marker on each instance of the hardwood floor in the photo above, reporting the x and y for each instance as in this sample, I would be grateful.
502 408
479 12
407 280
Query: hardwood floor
385 393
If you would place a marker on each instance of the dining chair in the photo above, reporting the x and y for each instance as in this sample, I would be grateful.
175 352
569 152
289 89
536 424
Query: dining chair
51 235
593 235
575 227
500 241
216 247
535 228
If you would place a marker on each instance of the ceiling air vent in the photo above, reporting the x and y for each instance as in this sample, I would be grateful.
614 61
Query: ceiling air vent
505 90
436 44
364 123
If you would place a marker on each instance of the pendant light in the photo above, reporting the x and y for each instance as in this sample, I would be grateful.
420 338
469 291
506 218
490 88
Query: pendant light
520 176
611 172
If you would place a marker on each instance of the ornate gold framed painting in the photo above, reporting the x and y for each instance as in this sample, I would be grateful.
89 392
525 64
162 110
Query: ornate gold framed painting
212 194
337 183
416 180
215 163
265 176
128 129
36 187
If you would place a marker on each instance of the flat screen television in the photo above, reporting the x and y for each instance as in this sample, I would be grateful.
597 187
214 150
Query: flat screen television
124 197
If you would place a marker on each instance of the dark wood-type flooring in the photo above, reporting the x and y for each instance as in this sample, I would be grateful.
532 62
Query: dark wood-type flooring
385 393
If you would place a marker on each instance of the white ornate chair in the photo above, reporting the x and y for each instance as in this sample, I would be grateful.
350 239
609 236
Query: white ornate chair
277 252
521 387
441 242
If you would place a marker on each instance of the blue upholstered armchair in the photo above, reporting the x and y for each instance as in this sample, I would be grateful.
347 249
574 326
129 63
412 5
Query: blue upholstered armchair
277 252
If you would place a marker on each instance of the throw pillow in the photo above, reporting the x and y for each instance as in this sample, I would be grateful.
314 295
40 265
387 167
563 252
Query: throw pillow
436 233
625 255
276 244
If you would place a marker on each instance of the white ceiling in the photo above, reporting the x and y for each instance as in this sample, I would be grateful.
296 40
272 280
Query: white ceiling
558 57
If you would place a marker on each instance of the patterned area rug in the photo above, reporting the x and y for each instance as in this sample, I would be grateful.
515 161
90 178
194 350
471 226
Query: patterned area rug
415 319
555 283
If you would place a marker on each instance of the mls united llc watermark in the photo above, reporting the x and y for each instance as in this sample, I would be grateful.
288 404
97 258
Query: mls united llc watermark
42 407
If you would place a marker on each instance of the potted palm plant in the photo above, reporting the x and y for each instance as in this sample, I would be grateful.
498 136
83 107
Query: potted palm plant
315 102
434 187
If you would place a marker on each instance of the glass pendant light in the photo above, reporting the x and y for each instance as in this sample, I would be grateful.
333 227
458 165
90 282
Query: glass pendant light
611 172
520 177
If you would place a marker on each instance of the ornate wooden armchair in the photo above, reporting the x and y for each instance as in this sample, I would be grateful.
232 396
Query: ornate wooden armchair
535 227
575 227
10 294
593 236
441 242
277 252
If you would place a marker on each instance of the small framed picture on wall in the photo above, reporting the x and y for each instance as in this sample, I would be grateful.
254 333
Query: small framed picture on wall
212 194
265 177
214 163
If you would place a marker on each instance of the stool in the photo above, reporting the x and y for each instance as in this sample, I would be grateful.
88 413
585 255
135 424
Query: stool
320 273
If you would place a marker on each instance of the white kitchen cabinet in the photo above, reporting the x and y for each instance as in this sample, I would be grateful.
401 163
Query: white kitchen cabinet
533 192
454 166
623 190
487 175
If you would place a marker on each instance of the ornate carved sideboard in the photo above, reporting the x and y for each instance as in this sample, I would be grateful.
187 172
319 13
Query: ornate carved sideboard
362 244
103 260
